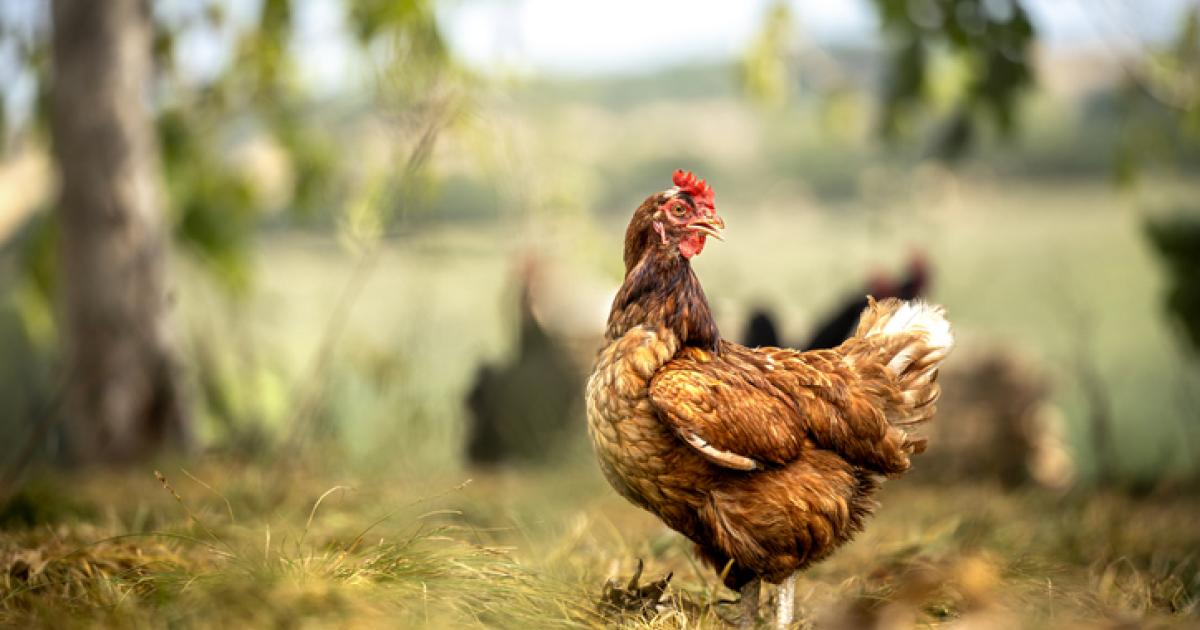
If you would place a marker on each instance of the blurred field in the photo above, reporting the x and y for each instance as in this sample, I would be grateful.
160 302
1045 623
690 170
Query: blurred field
1048 269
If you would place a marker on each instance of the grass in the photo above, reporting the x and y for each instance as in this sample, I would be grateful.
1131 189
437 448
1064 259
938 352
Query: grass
208 560
237 544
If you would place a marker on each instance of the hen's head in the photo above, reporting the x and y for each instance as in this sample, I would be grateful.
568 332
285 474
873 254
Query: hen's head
676 221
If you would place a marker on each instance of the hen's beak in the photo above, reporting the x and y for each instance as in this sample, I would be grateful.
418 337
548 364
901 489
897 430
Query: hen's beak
711 226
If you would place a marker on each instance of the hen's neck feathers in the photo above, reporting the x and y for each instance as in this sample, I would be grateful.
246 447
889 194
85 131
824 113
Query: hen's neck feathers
661 289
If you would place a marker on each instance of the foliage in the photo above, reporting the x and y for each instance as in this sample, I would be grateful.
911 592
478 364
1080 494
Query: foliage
1160 106
963 61
260 95
966 62
992 40
765 72
256 96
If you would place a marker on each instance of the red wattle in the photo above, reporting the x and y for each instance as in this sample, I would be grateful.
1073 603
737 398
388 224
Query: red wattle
692 244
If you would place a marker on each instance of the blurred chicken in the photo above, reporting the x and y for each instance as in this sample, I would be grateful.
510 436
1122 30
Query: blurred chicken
837 326
840 324
1006 427
1176 237
761 330
766 458
524 410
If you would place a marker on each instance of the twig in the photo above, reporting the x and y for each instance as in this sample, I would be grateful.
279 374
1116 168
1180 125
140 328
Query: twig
313 389
313 512
162 479
228 505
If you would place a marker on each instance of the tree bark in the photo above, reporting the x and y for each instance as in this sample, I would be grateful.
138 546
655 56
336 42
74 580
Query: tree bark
124 397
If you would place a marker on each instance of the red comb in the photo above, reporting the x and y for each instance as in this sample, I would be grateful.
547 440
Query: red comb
687 182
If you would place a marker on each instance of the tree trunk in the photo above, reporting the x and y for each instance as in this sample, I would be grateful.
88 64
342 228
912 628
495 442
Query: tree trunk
124 398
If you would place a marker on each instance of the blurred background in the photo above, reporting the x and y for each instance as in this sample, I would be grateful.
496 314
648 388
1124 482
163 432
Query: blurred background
293 245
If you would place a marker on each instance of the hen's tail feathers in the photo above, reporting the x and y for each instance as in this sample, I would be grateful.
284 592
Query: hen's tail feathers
915 338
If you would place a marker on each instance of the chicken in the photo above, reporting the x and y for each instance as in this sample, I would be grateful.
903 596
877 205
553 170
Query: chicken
1176 238
522 409
767 458
838 325
760 329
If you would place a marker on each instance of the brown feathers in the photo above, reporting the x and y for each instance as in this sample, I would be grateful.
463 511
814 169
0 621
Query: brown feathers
662 288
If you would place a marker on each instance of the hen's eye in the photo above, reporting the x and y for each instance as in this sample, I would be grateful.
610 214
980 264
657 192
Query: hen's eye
678 209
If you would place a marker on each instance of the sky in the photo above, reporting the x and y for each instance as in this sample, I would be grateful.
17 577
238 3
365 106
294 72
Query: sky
612 37
619 36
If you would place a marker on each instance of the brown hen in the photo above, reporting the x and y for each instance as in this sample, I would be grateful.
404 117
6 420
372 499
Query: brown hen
766 458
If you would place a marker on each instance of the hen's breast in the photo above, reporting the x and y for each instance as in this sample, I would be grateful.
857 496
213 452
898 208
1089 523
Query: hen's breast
640 456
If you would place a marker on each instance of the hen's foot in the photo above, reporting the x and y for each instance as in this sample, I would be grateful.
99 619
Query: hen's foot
749 604
643 600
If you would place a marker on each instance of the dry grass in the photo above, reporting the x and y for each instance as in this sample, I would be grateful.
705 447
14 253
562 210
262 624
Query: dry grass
212 561
534 549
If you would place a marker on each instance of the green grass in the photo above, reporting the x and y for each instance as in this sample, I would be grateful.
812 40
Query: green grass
248 546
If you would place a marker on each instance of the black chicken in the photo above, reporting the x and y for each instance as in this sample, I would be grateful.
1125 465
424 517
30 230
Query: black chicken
839 325
1176 237
522 410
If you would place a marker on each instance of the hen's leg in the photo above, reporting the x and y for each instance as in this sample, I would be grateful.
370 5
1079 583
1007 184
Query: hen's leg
785 605
749 604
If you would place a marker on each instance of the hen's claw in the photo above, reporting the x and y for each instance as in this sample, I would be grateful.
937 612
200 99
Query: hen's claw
749 604
642 600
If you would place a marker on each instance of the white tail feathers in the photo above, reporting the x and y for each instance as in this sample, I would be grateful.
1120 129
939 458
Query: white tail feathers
894 317
913 338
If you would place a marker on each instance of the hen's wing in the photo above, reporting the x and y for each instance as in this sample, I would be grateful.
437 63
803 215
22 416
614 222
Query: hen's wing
746 408
729 412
